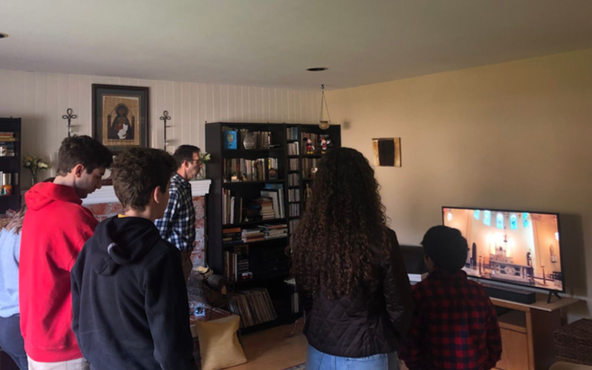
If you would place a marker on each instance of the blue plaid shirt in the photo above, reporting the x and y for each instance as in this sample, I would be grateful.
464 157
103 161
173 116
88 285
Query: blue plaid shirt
178 223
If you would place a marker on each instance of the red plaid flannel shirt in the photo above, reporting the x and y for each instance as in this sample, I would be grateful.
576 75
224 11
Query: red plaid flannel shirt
454 325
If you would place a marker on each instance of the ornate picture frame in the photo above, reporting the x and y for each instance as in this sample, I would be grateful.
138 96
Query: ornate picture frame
120 116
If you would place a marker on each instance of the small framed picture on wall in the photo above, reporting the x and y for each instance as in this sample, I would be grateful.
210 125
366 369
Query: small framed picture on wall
120 116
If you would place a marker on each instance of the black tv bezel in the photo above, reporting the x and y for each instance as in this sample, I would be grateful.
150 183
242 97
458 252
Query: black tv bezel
518 211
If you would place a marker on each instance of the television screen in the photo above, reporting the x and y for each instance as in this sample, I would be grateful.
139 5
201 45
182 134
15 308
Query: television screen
509 246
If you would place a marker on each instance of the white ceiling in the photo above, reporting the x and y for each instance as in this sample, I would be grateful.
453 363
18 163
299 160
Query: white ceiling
272 42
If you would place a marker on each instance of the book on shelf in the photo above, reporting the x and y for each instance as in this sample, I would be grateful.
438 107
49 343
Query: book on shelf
294 209
232 207
293 195
294 164
292 133
294 179
236 263
274 231
293 149
254 306
244 169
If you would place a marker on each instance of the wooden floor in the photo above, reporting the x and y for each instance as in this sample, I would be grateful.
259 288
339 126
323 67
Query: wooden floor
271 350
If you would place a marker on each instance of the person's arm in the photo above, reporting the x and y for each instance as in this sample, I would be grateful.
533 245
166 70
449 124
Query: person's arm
410 351
397 290
165 224
74 237
494 339
167 311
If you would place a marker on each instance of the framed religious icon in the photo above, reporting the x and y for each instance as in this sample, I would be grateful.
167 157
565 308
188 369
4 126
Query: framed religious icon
120 116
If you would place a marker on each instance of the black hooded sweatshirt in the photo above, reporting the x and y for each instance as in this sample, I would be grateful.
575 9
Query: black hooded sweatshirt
129 299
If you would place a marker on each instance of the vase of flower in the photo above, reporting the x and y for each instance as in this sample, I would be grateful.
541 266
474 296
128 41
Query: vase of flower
35 164
204 158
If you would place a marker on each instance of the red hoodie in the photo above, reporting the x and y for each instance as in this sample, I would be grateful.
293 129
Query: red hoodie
55 228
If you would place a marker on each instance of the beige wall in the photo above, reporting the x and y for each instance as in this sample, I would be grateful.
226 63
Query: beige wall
512 136
42 98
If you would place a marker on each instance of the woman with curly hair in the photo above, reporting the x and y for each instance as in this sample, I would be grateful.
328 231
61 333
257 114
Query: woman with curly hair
349 270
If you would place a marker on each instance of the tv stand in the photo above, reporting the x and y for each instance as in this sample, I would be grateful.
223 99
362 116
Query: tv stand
527 332
551 294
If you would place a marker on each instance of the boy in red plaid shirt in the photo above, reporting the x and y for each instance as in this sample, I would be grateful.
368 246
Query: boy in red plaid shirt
454 323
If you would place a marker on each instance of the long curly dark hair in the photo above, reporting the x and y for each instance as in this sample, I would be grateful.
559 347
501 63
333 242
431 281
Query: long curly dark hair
343 232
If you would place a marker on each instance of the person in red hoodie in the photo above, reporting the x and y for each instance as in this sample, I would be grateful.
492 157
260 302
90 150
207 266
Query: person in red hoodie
55 228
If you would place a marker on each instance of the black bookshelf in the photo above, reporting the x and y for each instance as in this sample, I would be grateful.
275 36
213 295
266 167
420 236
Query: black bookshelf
11 164
268 262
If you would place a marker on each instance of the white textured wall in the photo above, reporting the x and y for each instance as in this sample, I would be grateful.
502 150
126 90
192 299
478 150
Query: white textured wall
41 99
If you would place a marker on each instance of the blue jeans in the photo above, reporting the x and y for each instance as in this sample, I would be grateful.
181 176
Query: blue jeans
11 340
316 360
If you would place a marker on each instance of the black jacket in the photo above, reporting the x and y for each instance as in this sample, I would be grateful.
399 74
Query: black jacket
129 299
373 320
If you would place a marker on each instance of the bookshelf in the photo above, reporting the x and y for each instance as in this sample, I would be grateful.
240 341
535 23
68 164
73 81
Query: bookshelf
10 163
254 204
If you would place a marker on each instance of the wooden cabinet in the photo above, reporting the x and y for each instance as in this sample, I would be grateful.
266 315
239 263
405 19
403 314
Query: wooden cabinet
527 333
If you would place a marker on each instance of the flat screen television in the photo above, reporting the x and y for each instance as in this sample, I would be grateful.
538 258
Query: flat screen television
516 247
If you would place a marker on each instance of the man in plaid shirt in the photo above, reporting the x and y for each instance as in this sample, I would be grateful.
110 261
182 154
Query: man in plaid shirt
454 323
178 223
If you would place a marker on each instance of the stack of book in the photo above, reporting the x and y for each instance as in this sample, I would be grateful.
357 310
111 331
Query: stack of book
7 136
267 211
252 235
294 179
231 236
274 231
254 306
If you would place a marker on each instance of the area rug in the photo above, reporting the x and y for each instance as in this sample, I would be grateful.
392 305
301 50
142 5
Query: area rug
297 367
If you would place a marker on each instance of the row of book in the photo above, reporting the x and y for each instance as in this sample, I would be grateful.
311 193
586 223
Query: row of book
293 149
241 169
292 133
294 164
236 264
293 195
294 209
294 179
270 205
254 306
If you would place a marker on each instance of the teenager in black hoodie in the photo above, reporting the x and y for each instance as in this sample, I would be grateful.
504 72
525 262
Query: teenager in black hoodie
129 297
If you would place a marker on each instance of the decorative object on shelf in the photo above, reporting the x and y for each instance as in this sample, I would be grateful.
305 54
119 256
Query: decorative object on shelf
69 116
204 158
387 152
230 140
249 141
120 116
35 164
165 117
324 124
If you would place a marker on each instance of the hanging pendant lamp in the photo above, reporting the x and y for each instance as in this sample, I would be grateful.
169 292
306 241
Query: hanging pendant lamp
324 124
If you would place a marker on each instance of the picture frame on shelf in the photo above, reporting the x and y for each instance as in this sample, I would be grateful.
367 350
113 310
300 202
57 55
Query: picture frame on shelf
120 118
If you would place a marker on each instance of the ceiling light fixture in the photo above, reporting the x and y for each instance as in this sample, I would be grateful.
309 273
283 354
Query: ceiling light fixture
317 69
3 35
324 124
